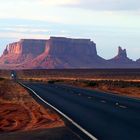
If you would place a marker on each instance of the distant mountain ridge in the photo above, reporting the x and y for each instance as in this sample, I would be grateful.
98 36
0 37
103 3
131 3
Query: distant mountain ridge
59 53
138 60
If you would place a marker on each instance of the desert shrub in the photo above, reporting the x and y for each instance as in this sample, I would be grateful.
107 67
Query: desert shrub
138 86
59 80
31 80
1 79
40 80
92 84
51 81
55 81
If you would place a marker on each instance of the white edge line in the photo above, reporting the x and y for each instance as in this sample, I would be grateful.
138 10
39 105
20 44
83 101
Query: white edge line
65 116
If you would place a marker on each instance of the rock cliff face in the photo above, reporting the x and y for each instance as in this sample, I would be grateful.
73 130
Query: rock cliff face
25 46
71 47
60 52
68 53
13 48
24 50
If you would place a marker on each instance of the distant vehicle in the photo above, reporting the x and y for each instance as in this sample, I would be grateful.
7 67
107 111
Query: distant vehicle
13 75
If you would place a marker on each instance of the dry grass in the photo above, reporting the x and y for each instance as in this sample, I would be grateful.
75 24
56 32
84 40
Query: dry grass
128 88
132 90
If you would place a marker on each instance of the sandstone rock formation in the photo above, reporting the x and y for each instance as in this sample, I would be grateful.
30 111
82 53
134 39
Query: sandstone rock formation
60 52
122 60
22 51
121 56
68 53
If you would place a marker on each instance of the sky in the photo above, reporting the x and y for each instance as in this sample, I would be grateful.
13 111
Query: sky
109 23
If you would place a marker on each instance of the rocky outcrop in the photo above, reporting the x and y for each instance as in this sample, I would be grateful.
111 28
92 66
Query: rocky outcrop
68 53
121 57
60 52
122 60
72 47
25 46
22 51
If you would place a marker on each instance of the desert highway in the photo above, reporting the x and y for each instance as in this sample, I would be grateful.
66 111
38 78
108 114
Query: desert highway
104 116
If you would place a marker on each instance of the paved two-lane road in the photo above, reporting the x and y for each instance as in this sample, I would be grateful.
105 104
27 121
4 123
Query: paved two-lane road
105 116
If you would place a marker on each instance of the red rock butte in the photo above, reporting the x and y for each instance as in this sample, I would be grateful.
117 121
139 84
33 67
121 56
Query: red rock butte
59 53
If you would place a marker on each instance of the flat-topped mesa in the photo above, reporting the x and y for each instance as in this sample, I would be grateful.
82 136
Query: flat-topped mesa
60 52
34 46
65 39
22 51
26 46
60 46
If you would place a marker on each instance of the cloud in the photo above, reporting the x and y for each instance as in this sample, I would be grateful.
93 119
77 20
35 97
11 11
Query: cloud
25 30
30 29
108 5
103 5
18 35
99 5
44 2
60 2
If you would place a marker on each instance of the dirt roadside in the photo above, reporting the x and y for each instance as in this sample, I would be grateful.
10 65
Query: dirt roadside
22 117
118 87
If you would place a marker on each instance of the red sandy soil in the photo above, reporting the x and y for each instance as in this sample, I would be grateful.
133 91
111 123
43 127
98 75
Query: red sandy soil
21 117
20 112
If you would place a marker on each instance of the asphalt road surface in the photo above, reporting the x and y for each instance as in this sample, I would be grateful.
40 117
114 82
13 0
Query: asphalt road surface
105 116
